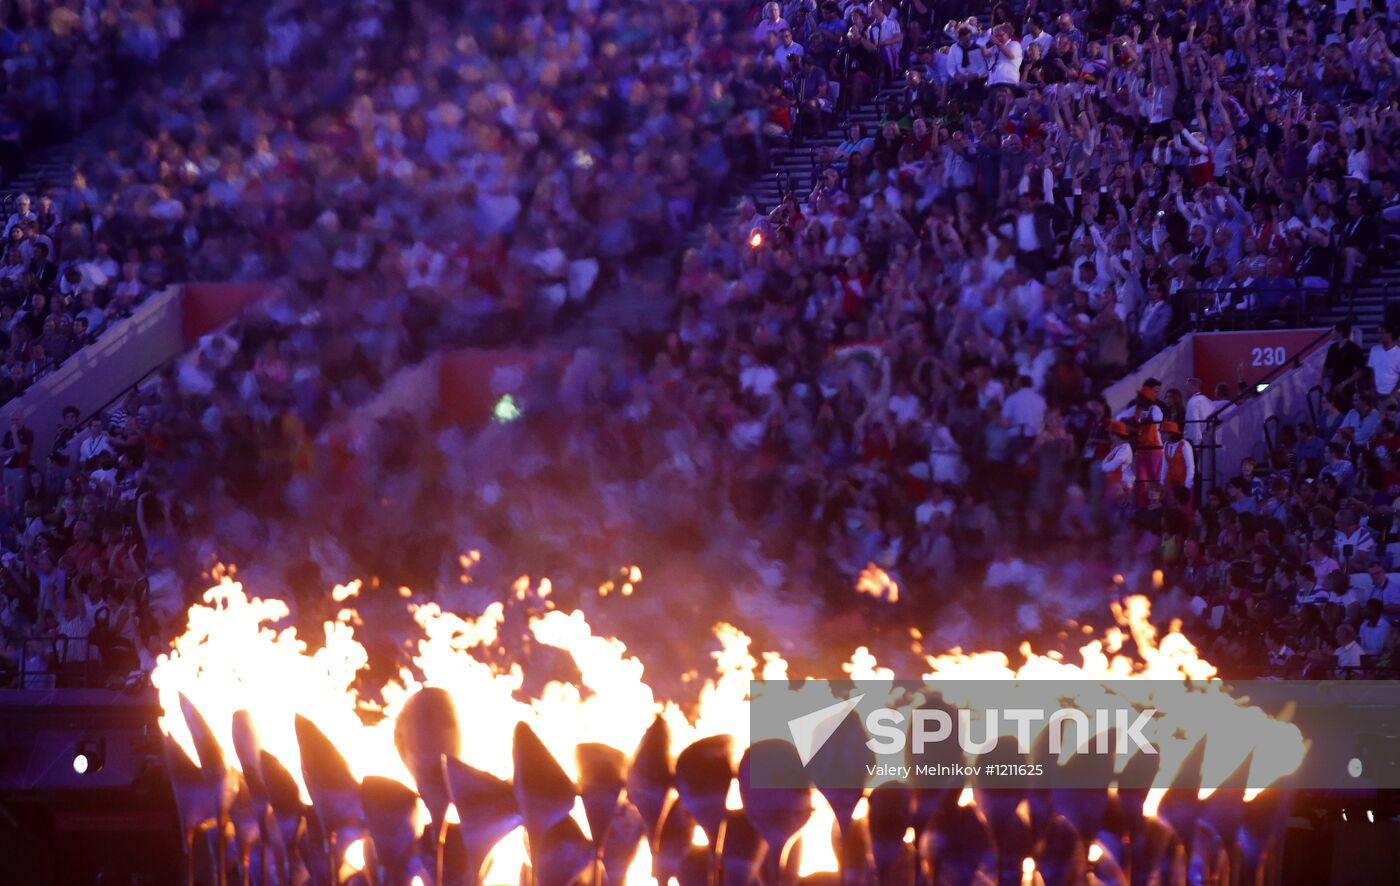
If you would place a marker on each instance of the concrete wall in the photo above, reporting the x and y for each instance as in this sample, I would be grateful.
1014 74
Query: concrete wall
1172 366
1241 431
95 375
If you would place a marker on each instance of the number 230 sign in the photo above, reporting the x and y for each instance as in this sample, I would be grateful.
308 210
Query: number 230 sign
1225 356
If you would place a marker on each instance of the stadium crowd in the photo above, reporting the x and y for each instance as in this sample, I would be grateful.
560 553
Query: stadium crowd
66 60
852 378
415 180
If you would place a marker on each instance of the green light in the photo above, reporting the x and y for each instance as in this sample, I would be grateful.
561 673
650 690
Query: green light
505 409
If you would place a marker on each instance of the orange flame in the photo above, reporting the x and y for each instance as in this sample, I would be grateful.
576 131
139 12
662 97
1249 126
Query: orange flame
877 583
232 657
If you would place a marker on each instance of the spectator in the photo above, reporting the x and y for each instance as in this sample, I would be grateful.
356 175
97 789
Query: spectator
1024 410
1006 56
1348 652
1363 420
1374 633
1144 417
1178 459
1344 363
1384 362
15 448
1352 538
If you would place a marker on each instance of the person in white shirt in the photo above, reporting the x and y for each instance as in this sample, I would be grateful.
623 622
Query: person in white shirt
1322 564
887 36
938 502
1388 594
22 215
1348 651
76 626
95 443
1311 591
1036 33
166 592
1155 321
904 404
967 66
1199 407
786 49
841 243
772 23
1374 631
1352 538
1006 54
756 378
1385 362
1024 410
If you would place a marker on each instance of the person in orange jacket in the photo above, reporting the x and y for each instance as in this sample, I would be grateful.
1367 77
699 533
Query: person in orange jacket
1178 458
1144 418
1118 465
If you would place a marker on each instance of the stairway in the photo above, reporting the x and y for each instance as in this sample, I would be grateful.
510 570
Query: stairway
52 169
1367 308
624 310
793 170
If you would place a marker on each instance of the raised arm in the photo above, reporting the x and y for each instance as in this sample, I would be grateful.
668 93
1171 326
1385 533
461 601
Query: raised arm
1227 120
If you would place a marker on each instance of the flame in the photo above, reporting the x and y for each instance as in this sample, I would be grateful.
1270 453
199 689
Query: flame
1028 874
468 562
355 855
877 583
341 593
1172 676
234 655
818 850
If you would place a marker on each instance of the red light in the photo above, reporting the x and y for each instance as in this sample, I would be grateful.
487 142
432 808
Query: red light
756 238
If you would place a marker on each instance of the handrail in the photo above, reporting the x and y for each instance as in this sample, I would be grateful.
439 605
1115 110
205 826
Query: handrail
1187 305
1314 405
1290 364
1269 424
1213 421
59 644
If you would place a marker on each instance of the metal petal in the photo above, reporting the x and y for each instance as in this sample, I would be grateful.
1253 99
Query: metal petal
625 835
543 791
703 774
650 777
487 809
602 777
335 795
891 815
389 807
778 814
744 850
424 732
561 855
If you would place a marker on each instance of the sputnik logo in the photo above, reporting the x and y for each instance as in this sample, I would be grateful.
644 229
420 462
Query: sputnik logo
811 731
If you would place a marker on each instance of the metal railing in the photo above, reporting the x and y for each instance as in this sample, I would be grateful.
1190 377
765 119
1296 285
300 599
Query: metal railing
1195 310
1315 399
1213 421
1251 307
47 661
